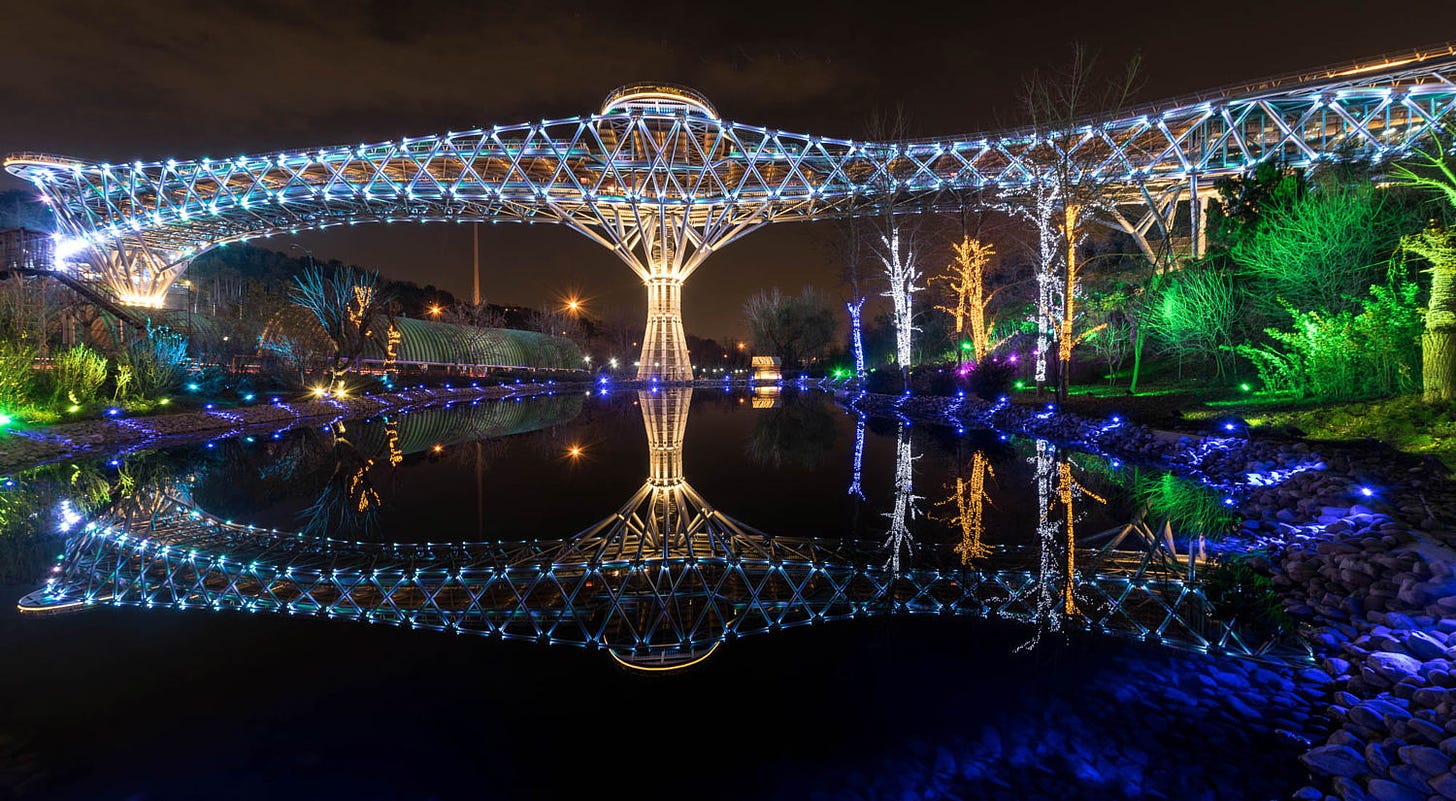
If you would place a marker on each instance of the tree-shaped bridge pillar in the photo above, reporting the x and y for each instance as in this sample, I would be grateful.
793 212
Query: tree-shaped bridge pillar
664 343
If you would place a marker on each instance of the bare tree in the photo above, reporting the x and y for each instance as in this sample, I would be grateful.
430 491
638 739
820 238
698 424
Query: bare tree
347 303
1066 107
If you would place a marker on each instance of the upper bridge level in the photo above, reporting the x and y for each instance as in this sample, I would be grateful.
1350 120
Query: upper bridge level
655 148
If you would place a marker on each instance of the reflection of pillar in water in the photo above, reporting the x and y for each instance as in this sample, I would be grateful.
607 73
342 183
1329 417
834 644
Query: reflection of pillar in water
899 539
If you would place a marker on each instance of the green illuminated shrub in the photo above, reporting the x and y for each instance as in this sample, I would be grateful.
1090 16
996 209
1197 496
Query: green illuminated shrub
1345 355
155 364
17 372
77 374
1187 506
1193 315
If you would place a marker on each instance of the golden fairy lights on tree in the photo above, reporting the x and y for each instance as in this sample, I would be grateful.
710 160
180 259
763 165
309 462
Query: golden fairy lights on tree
1069 488
966 277
969 499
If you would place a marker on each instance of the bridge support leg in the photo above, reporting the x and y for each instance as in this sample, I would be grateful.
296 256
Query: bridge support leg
138 274
664 345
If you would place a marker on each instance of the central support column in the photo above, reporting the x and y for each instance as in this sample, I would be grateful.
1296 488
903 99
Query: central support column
664 345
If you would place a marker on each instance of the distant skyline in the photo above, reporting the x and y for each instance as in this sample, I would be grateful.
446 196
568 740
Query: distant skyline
124 81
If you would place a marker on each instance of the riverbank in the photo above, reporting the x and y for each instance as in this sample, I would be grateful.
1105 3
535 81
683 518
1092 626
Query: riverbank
1359 542
22 448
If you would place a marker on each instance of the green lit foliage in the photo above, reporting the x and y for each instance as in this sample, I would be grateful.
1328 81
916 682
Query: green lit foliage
1241 593
1188 507
1434 172
1193 315
795 328
17 372
154 364
1318 250
76 375
1109 327
1345 355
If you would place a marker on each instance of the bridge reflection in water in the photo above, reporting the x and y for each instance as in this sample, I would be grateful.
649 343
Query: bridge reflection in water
660 583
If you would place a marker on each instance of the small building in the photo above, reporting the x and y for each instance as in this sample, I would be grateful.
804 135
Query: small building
766 368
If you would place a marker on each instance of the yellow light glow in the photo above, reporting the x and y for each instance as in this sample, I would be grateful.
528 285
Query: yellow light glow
154 301
575 451
435 311
437 448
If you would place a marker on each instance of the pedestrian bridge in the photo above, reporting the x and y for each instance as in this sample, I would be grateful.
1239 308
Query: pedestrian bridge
660 179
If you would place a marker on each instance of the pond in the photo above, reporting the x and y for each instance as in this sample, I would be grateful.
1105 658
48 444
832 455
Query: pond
669 592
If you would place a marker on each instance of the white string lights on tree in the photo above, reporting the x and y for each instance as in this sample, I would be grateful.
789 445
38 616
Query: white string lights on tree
856 335
901 275
899 539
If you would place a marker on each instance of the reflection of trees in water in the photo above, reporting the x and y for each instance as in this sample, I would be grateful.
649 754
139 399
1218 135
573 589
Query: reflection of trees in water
797 433
348 503
47 503
968 500
1057 492
899 539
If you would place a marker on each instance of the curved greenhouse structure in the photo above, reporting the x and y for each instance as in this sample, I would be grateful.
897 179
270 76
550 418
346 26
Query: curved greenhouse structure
413 345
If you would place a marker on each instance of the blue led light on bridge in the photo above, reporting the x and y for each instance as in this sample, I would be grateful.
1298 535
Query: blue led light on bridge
1191 143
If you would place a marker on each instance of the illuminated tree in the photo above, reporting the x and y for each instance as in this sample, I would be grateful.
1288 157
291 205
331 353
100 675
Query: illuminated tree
1061 105
1193 314
1437 245
1319 251
346 302
901 275
966 277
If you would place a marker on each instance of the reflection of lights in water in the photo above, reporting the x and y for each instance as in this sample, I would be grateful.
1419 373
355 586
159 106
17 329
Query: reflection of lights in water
859 440
969 498
437 448
899 539
69 517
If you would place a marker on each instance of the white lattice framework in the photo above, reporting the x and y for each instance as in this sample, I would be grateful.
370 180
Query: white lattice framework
662 181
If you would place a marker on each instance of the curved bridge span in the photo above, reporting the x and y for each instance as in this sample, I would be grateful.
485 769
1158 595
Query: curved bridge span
661 180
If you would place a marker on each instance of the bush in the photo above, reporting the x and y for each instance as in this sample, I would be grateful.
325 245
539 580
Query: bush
1240 593
1192 315
1345 356
17 372
154 364
884 380
991 377
77 374
1189 508
938 381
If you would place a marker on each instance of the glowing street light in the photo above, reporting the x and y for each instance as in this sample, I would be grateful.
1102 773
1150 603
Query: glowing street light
435 310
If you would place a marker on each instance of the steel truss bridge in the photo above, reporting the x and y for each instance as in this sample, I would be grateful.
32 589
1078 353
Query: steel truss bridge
660 583
662 181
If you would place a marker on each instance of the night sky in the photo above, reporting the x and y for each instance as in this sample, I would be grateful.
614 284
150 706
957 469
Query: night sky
123 81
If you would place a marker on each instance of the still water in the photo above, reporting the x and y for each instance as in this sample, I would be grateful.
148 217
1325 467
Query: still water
674 593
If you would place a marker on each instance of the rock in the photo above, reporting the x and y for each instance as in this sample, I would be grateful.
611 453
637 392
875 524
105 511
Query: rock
1427 760
1386 790
1424 646
1334 760
1445 785
1393 667
1425 729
